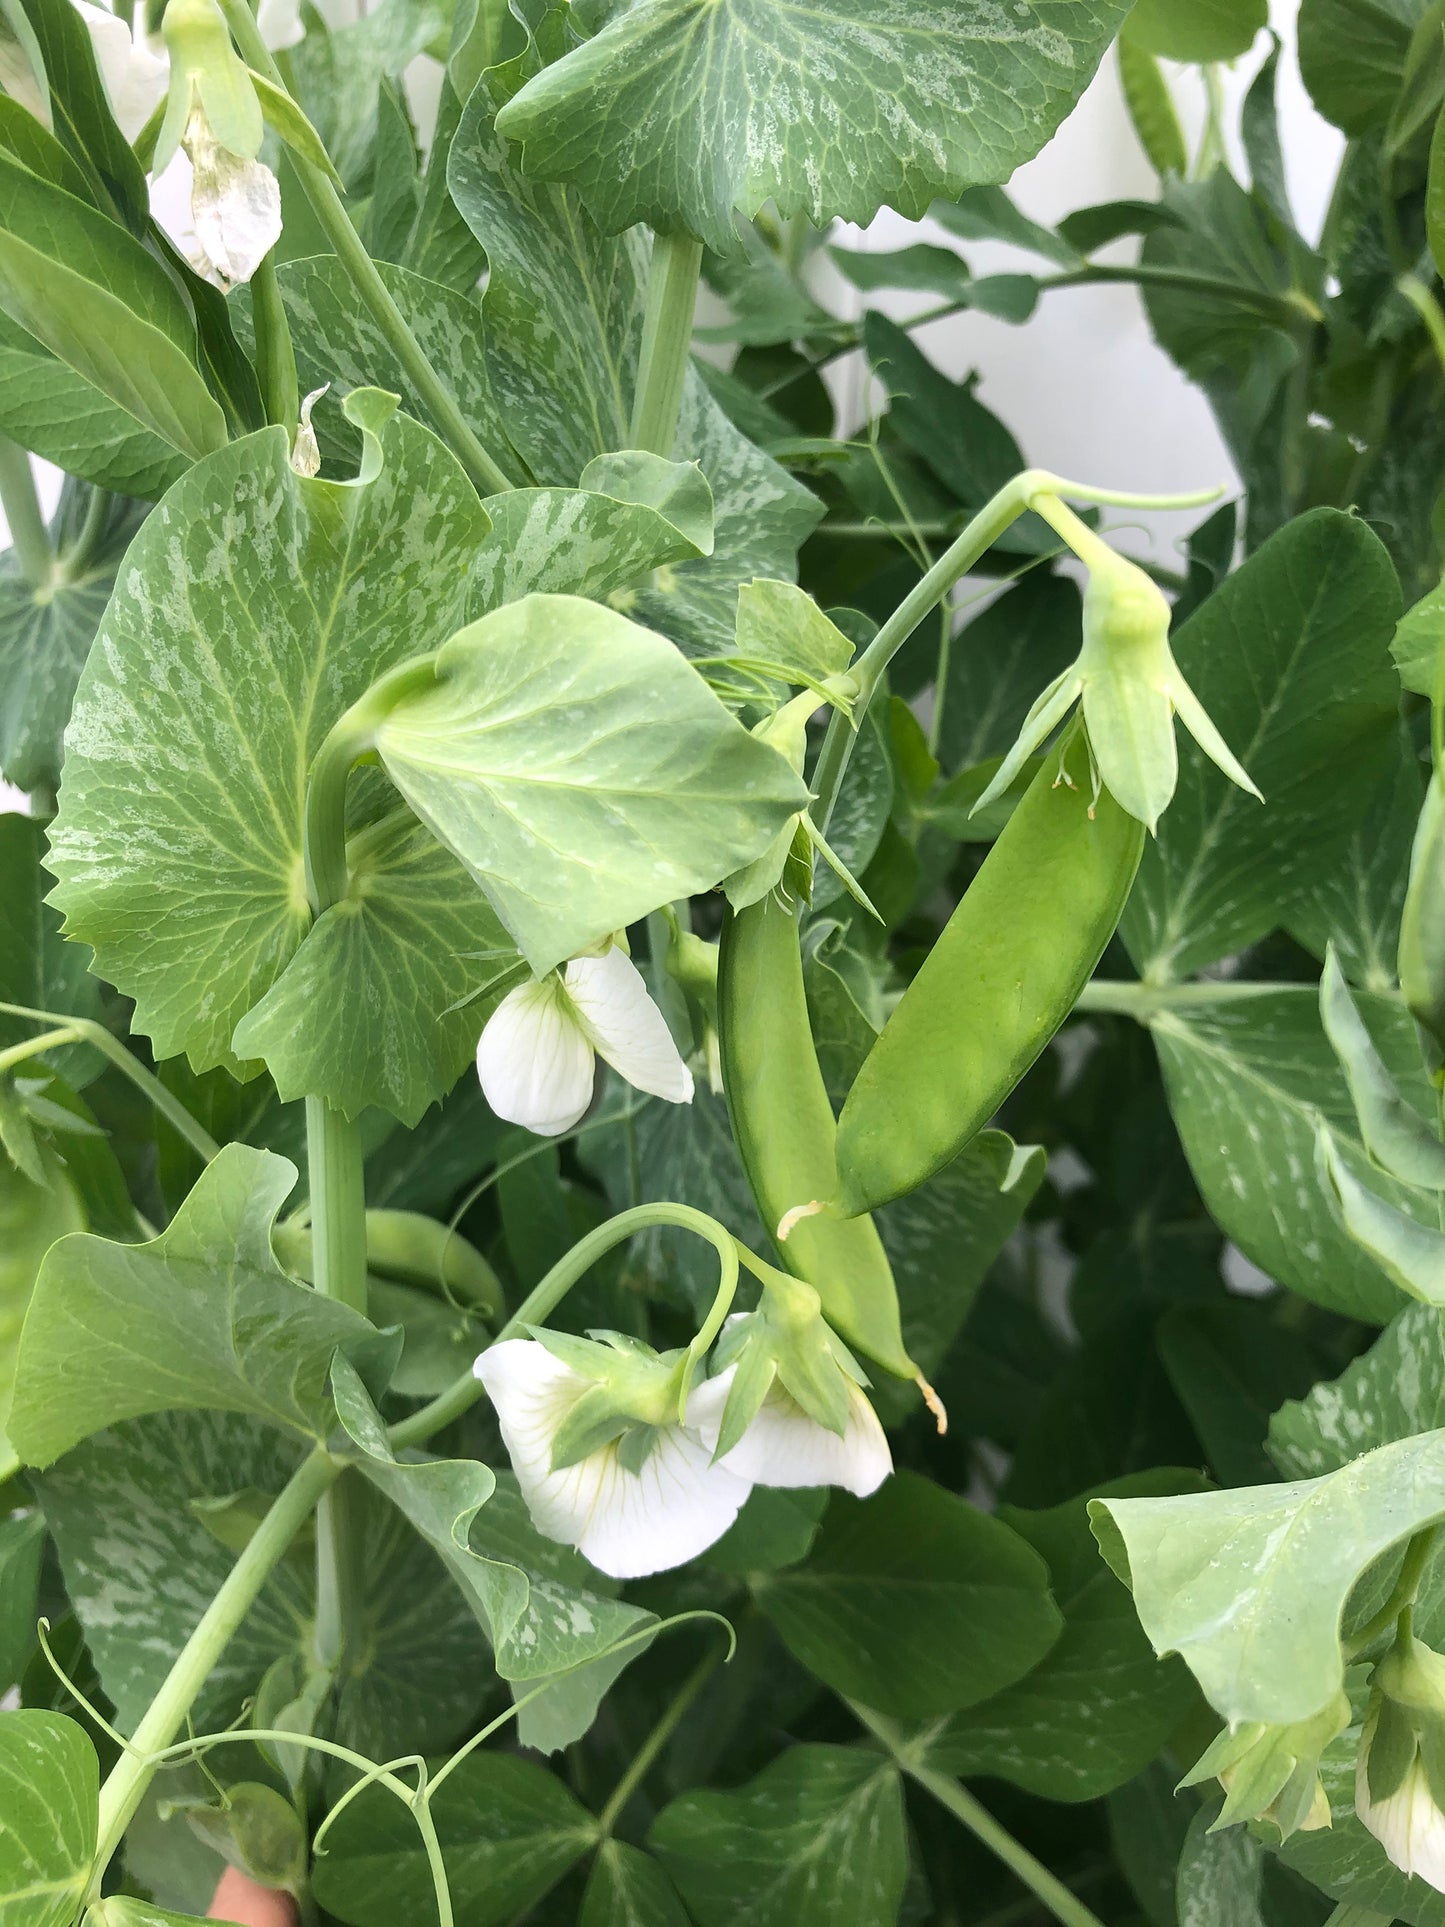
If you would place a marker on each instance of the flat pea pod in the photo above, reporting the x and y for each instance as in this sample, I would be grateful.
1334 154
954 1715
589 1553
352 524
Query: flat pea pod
785 1130
1003 976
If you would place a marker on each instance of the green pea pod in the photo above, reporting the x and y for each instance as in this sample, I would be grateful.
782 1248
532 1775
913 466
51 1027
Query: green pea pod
410 1249
785 1130
1004 975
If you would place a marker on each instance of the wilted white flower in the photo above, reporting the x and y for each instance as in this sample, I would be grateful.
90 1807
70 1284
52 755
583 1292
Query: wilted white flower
133 74
644 1498
537 1054
305 454
1398 1778
235 204
783 1446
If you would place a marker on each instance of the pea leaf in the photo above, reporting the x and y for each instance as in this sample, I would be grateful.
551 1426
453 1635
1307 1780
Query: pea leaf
1000 662
1418 639
250 615
50 1783
627 1888
1221 1876
594 540
1394 1391
34 1216
338 342
816 1840
22 1542
782 103
37 968
1249 1587
563 309
49 408
201 1316
1352 55
1199 30
1099 1705
913 1602
128 1512
508 1830
96 299
80 109
578 819
45 636
1247 1083
1290 659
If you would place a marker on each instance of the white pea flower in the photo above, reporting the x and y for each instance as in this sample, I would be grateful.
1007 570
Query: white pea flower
1399 1784
133 75
637 1491
783 1446
280 24
235 204
538 1051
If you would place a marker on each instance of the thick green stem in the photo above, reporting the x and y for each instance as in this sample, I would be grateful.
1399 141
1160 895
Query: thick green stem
127 1781
29 536
656 1740
666 341
544 1299
1402 1593
1144 1002
275 358
96 1035
996 515
326 203
1061 1902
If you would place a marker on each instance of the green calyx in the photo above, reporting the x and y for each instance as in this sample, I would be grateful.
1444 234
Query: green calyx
635 1391
1406 1720
207 76
786 1340
1126 681
1272 1773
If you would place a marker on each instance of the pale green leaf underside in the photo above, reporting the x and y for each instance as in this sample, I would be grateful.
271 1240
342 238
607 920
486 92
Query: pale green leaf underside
201 1316
583 772
253 608
685 113
1249 1586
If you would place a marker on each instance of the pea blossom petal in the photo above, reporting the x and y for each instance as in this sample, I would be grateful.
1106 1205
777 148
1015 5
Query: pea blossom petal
784 1447
1408 1824
624 1025
627 1523
535 1064
235 204
133 76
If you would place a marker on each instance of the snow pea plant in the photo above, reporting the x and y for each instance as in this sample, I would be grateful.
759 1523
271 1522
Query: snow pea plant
720 1128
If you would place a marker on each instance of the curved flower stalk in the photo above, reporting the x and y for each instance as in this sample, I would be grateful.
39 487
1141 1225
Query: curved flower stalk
1127 682
787 1406
1273 1772
603 1461
1400 1774
538 1052
214 113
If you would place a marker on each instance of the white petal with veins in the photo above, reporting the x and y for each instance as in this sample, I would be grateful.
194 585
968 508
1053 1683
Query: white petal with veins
784 1447
628 1524
1408 1825
535 1064
625 1026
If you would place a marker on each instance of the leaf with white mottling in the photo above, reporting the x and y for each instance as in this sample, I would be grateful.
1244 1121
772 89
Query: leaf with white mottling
687 113
49 1786
1221 1876
1247 1084
253 608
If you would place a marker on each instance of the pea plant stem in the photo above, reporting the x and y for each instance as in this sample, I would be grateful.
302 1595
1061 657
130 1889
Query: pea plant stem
545 1297
997 514
99 1038
486 476
130 1776
1060 1900
1144 1002
280 392
657 1739
29 536
666 341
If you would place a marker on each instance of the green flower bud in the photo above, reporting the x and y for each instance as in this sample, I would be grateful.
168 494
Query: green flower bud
209 78
1273 1772
1127 682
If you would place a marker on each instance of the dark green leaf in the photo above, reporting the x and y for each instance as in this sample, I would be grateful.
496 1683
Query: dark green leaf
1000 662
626 1888
22 1541
914 1602
1352 54
816 1840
